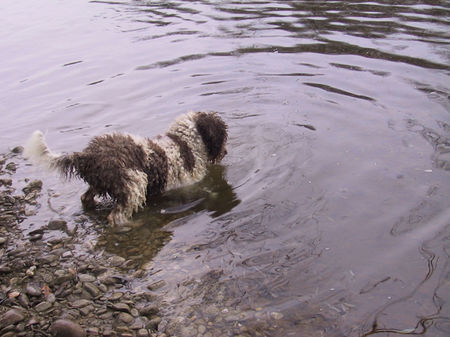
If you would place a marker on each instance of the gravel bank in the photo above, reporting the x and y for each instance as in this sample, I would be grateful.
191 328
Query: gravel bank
58 286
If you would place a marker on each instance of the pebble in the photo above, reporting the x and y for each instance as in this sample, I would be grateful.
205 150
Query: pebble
143 333
33 290
11 317
126 317
91 289
2 240
57 225
80 303
66 328
43 306
156 285
116 261
120 307
86 278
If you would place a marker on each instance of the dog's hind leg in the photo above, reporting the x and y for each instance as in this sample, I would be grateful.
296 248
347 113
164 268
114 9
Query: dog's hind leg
132 200
87 199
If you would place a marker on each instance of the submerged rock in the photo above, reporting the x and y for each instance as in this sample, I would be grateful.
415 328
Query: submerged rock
66 328
11 317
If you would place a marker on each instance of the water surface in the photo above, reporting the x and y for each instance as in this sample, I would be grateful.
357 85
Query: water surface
329 216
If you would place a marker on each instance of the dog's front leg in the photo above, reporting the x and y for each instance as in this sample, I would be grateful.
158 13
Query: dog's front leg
87 199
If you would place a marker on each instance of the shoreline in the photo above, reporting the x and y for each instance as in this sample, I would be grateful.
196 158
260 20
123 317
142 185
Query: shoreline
61 286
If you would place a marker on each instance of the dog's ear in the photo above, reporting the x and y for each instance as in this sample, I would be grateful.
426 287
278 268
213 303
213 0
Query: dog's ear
213 131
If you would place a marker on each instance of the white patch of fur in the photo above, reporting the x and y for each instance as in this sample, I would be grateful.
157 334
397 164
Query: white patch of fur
185 128
36 150
137 188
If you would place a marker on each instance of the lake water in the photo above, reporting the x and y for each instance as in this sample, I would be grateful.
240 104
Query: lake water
330 215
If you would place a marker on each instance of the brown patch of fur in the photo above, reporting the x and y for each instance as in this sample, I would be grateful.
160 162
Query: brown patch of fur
213 131
103 164
185 152
156 169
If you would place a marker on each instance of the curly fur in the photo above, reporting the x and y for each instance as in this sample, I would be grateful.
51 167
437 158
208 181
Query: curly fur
130 169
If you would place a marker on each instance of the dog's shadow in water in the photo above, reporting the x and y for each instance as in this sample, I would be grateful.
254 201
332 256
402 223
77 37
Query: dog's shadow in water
145 236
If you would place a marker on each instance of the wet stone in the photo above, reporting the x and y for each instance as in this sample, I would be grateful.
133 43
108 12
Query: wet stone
120 307
11 166
126 317
86 278
43 306
57 225
33 290
11 317
116 261
81 303
35 185
91 289
66 328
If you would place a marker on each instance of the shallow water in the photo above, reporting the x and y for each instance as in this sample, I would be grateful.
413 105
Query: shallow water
330 215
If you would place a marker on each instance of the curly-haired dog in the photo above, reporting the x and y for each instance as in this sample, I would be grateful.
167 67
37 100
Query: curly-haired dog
129 169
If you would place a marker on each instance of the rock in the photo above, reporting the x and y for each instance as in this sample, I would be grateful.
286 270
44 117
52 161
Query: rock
17 150
120 307
116 261
5 182
143 333
66 328
11 317
35 185
115 296
43 306
86 278
91 289
126 317
156 285
80 303
276 315
33 290
2 240
149 310
57 225
11 167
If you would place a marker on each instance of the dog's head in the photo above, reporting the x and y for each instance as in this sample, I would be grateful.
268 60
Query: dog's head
213 131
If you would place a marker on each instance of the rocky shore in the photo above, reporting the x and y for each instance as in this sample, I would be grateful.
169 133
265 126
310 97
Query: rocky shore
51 287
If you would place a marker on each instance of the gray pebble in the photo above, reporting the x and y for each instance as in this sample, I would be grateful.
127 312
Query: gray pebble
43 306
66 328
80 303
10 317
33 290
91 289
126 317
86 278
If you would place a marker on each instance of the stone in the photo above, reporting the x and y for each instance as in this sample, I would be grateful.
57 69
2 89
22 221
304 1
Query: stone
86 278
149 310
66 328
91 289
80 303
120 307
126 317
11 317
57 225
43 306
156 285
116 261
35 185
143 333
33 290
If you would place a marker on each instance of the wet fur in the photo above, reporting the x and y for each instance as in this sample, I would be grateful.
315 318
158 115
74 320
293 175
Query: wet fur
130 169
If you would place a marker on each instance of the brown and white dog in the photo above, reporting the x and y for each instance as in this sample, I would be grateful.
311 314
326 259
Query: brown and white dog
130 169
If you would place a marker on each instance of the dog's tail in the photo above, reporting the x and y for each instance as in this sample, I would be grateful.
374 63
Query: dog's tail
36 150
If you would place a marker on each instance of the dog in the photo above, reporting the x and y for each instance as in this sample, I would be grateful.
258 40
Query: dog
130 169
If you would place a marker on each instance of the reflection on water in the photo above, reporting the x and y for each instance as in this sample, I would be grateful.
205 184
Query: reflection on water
148 233
332 217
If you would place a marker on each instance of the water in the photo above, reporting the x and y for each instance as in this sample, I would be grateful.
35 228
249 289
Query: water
339 228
